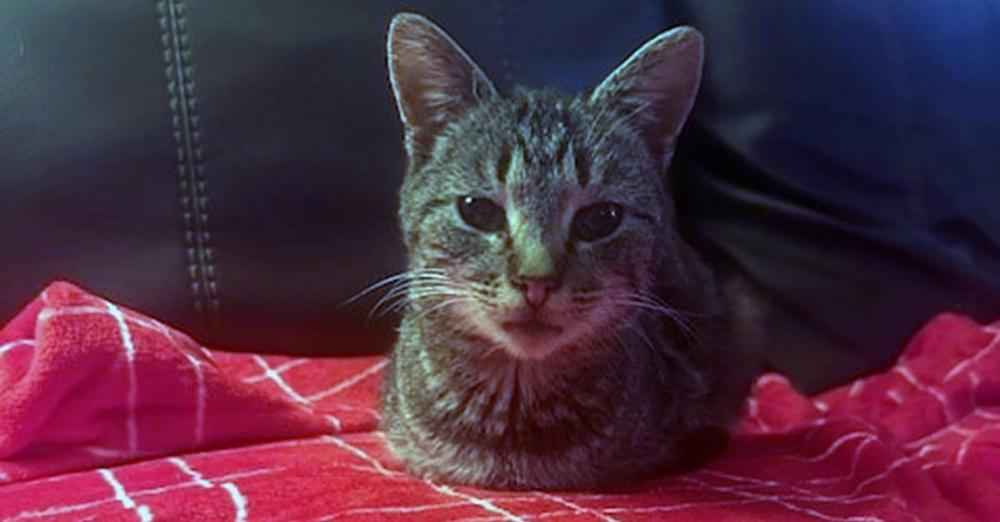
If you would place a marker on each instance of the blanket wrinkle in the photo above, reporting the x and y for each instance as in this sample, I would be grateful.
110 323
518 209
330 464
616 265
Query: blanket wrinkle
107 414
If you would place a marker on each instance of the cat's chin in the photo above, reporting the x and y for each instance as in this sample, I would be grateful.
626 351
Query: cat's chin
531 339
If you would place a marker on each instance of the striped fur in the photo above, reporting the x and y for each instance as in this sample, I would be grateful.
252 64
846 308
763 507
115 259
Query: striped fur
649 354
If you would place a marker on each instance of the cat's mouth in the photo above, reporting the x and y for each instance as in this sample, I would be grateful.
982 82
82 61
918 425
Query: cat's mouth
532 337
531 327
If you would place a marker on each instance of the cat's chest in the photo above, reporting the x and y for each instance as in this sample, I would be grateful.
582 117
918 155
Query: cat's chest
512 400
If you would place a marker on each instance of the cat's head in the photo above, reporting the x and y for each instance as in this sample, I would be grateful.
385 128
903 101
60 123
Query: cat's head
536 220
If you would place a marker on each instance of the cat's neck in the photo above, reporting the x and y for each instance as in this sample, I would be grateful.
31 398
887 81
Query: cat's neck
494 387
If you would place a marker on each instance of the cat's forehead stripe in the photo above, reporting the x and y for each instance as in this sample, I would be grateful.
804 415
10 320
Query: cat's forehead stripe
544 133
503 164
581 164
515 168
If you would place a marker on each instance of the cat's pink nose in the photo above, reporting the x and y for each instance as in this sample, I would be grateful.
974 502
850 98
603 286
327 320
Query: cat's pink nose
536 289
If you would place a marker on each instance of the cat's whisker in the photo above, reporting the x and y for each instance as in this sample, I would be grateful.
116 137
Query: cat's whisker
391 280
438 306
418 291
686 329
401 286
396 307
400 289
393 294
395 303
646 341
663 302
375 286
486 299
429 293
652 307
657 301
653 303
678 357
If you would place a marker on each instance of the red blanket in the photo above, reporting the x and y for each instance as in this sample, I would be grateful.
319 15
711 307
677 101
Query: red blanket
109 415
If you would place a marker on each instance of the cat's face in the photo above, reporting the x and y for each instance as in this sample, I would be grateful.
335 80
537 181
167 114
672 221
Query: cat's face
536 220
542 228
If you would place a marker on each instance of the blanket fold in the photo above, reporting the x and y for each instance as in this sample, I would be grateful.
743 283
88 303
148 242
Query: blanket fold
86 383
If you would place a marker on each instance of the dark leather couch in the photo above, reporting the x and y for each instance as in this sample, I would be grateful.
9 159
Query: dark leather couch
231 165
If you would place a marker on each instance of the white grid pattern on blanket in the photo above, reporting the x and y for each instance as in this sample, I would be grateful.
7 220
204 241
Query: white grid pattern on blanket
122 496
743 490
124 322
239 501
7 347
133 386
53 511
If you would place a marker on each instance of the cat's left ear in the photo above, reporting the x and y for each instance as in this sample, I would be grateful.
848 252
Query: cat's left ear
433 79
656 87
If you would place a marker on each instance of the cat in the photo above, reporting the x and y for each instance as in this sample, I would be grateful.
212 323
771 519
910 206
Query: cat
557 332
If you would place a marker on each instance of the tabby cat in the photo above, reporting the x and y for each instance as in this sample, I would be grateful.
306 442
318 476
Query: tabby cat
557 331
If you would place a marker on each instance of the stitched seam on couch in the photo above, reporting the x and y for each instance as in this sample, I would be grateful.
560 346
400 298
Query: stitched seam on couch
190 166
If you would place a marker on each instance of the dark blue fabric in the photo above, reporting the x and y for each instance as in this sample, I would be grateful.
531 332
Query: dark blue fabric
844 154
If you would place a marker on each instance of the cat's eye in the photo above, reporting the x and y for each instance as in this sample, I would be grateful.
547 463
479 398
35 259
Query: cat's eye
481 213
596 221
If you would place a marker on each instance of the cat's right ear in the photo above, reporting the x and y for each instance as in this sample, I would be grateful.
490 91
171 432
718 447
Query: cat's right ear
656 87
433 79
